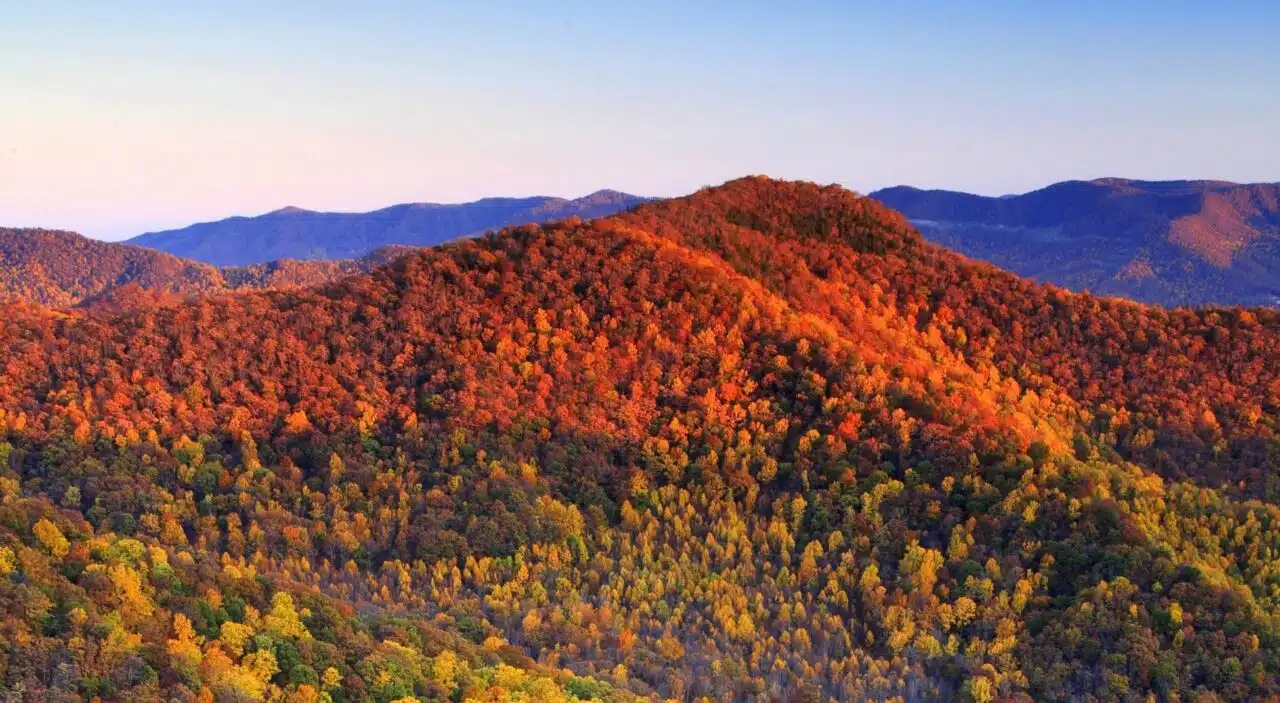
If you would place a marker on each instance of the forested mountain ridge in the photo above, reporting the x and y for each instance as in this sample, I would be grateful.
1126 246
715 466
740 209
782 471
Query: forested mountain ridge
63 269
295 233
1168 242
760 443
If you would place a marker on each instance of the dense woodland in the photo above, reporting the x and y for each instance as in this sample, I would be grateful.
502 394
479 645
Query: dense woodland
63 269
762 443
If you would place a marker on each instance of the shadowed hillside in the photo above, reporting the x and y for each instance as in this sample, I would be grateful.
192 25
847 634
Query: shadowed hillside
761 443
1173 243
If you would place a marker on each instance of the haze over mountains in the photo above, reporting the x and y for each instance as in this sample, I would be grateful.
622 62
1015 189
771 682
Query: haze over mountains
1172 242
760 443
294 233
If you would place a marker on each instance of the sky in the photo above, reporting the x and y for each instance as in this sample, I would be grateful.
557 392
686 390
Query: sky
122 117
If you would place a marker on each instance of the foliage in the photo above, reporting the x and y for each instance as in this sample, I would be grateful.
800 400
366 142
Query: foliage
760 443
63 269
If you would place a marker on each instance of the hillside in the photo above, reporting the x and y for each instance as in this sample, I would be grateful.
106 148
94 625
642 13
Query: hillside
761 443
1172 243
63 269
294 233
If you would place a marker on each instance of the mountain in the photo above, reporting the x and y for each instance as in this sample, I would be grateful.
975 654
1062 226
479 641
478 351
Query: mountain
1171 242
294 233
64 269
761 443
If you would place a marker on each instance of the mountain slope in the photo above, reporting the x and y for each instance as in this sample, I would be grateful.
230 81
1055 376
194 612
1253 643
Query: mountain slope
1173 243
293 233
61 268
760 443
64 269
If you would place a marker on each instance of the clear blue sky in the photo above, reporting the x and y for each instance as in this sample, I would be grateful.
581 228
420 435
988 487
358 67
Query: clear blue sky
119 117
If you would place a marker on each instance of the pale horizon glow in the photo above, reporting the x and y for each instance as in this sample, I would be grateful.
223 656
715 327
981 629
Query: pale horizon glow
122 118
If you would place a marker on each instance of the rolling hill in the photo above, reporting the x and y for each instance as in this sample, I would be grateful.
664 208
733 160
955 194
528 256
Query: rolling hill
1172 243
64 269
61 269
294 233
760 443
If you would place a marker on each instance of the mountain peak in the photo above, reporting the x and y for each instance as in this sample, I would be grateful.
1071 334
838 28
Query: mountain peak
289 210
1185 183
788 210
607 195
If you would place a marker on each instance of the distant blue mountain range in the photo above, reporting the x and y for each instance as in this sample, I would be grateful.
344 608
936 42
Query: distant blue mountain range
1167 242
294 233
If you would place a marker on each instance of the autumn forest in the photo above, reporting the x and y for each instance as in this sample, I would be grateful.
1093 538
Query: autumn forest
759 443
